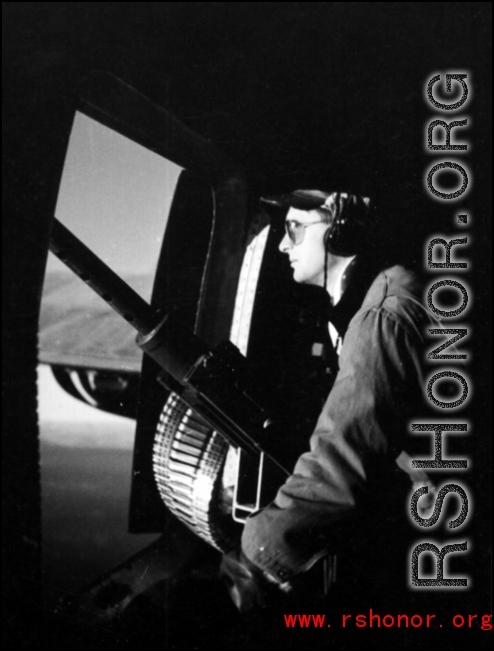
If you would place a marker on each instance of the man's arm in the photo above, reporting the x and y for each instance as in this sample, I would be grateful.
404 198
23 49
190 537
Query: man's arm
358 436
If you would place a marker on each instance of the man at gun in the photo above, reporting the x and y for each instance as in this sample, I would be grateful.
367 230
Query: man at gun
347 496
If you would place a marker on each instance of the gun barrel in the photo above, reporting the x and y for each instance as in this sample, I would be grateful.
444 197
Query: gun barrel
105 282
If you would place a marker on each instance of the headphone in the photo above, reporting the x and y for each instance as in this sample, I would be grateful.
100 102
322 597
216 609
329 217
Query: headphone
349 230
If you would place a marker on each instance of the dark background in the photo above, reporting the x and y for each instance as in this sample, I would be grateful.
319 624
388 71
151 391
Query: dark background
301 95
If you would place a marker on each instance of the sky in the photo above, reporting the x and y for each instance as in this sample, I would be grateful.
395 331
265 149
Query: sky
115 196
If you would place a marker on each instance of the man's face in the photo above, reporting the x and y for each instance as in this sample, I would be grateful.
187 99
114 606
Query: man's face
306 258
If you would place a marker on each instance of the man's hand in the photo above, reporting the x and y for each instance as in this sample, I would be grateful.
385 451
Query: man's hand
250 588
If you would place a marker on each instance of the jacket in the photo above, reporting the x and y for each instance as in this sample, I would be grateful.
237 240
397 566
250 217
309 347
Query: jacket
349 491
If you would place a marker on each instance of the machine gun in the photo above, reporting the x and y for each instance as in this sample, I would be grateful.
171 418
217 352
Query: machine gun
217 384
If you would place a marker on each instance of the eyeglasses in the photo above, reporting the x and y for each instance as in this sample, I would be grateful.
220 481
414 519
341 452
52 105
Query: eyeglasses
296 231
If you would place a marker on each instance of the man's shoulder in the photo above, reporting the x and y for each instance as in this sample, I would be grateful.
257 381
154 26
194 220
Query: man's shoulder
397 292
396 281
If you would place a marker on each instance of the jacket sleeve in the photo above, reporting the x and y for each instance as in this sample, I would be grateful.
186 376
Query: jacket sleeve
358 436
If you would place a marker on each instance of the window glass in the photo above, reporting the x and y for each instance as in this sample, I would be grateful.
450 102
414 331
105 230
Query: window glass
115 196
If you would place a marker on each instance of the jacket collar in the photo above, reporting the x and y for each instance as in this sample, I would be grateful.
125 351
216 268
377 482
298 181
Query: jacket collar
360 276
